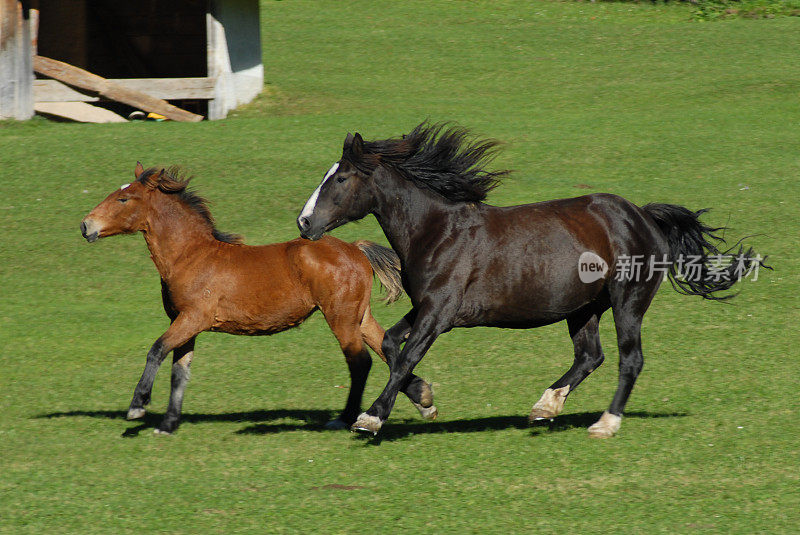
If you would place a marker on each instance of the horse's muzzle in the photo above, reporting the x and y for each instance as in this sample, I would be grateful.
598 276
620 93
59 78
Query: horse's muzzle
306 231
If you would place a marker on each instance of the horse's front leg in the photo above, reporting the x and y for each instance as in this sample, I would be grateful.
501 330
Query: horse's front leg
427 327
180 331
418 390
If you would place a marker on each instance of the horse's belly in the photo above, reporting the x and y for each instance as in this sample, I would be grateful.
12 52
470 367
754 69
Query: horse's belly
524 305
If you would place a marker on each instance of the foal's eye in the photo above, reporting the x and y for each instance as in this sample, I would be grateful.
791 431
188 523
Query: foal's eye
341 179
123 200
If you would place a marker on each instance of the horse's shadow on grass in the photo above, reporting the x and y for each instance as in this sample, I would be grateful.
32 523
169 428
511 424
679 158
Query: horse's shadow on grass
315 419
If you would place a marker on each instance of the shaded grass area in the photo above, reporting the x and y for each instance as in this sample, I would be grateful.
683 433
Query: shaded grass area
628 99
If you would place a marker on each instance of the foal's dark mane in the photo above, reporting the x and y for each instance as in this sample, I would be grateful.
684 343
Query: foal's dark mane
446 159
174 181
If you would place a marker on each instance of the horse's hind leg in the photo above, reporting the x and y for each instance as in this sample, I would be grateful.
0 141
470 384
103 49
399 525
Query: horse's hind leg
629 303
181 362
387 344
585 333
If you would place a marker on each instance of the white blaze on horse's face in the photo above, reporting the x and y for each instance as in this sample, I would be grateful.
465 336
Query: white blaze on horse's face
124 186
308 209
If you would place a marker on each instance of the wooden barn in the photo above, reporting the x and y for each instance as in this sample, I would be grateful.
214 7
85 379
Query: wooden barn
183 59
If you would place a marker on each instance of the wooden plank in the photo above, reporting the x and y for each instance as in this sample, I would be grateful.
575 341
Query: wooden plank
87 81
164 88
79 111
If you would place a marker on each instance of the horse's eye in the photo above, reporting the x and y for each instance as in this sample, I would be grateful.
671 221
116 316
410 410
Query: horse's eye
123 200
341 178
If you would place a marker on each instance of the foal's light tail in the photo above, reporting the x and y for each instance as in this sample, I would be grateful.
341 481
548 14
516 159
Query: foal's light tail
386 266
695 242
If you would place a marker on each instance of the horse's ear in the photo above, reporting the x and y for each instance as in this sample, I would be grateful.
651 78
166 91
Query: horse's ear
139 170
348 142
357 148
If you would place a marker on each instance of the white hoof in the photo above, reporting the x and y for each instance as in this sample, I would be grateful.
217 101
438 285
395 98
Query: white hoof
367 423
550 404
606 426
428 413
135 414
158 431
336 425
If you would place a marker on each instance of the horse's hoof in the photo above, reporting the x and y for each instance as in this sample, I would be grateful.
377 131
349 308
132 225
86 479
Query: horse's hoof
549 405
367 424
429 413
158 431
537 415
135 414
533 419
426 397
606 427
336 425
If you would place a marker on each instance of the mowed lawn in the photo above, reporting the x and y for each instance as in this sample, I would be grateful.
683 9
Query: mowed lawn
622 98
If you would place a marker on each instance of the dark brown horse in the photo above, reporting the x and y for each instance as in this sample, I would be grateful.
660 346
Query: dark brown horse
466 263
210 281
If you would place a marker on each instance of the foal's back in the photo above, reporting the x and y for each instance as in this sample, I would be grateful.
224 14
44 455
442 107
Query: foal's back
270 288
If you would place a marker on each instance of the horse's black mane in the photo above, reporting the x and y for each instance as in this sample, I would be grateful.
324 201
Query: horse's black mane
445 159
174 181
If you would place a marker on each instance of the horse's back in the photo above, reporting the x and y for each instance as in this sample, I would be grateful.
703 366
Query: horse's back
525 252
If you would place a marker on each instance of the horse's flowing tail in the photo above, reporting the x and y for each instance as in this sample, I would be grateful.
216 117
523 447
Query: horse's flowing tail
698 266
386 266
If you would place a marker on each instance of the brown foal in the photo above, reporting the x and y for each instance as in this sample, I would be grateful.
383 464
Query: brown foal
210 281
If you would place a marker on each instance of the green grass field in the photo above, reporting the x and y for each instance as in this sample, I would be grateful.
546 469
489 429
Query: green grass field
616 97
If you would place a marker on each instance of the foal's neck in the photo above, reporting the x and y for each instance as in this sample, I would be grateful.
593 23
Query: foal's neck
175 235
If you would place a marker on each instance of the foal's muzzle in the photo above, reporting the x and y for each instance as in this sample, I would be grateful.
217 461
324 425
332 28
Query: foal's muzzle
88 233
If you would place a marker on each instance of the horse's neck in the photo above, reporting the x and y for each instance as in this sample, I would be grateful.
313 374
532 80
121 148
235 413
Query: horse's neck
405 213
175 236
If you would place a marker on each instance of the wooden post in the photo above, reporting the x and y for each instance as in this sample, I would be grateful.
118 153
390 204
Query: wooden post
219 67
16 68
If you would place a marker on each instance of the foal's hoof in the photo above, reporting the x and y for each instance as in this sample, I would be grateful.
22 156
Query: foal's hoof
158 431
606 426
367 424
336 425
135 414
429 413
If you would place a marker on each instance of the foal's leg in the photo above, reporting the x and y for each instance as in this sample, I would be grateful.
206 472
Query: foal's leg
427 327
358 361
629 303
180 331
181 361
585 334
418 391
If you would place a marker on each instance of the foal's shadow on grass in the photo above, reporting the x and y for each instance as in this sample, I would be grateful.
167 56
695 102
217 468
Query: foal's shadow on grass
314 420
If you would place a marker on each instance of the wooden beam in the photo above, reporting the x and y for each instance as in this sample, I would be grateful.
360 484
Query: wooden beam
164 88
87 81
